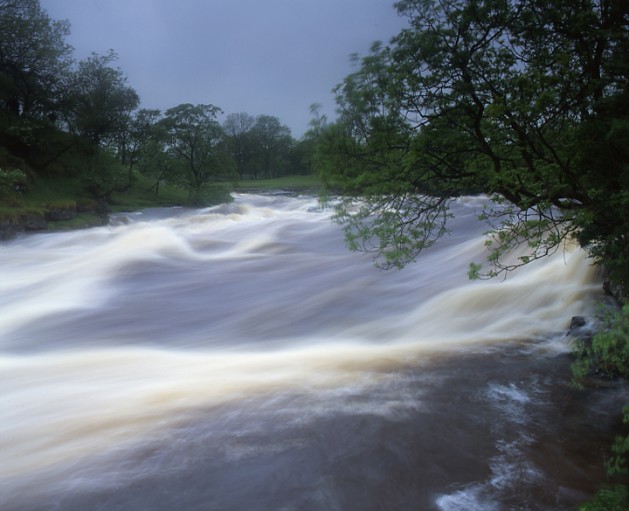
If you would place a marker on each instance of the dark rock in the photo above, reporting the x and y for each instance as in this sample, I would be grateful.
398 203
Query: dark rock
577 322
8 228
33 222
581 331
615 290
60 214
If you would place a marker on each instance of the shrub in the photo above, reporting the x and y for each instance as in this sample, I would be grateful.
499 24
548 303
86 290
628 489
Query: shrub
608 353
12 181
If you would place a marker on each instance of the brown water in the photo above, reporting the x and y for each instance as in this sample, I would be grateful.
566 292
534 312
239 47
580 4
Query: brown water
240 357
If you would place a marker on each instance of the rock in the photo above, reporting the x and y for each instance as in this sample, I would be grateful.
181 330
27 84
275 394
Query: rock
614 290
8 228
33 222
581 331
60 214
577 322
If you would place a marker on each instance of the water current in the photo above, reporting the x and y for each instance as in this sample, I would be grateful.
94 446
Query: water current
241 358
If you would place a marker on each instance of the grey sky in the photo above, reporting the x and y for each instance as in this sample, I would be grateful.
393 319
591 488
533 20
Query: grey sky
273 57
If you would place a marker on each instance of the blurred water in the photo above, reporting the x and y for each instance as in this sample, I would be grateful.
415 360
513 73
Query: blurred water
239 357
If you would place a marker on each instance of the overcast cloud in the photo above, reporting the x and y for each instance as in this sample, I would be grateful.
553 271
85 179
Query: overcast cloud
273 57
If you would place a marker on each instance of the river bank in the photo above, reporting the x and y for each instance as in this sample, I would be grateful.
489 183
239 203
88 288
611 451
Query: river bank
53 205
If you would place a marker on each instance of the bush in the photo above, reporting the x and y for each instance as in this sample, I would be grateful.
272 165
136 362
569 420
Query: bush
608 353
615 498
608 356
210 195
12 181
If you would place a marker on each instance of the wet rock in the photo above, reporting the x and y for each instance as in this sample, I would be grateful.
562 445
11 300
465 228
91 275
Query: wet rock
577 322
614 290
60 214
33 222
8 227
580 331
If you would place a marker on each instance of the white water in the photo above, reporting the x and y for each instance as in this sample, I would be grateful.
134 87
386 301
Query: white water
123 347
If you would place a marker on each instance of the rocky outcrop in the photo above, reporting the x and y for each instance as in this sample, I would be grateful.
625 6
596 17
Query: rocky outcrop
615 290
60 214
33 222
9 226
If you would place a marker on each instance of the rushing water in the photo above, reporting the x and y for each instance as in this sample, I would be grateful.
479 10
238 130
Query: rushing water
241 358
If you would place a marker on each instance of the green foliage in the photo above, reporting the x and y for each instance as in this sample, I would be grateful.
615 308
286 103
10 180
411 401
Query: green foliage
607 355
33 58
209 195
615 497
195 137
473 273
240 144
608 352
99 102
305 184
272 143
142 195
617 464
12 181
524 101
102 175
80 221
604 162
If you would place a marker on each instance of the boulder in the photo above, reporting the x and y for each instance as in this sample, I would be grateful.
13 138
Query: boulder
577 322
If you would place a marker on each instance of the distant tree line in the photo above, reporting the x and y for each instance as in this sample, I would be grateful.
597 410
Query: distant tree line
60 116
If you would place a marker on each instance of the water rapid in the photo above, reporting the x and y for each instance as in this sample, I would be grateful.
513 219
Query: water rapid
240 357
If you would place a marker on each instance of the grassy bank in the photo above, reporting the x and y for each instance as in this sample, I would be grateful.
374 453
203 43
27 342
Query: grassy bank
299 184
61 203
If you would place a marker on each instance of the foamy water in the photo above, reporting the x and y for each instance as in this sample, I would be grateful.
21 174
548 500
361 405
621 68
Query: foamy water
240 356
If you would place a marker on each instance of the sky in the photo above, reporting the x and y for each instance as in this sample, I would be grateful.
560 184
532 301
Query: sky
272 57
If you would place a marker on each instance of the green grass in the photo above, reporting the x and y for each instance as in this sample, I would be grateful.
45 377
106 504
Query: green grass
43 194
81 221
309 184
140 196
48 193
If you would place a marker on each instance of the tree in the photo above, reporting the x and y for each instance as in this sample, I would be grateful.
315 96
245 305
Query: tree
238 130
196 137
507 97
156 164
99 103
272 142
33 59
143 128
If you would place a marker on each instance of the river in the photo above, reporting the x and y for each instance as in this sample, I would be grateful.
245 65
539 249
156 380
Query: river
241 358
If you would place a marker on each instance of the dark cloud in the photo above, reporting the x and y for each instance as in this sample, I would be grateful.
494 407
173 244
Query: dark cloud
275 57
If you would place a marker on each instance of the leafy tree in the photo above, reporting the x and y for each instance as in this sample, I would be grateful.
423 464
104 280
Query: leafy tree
272 143
159 166
525 100
299 160
143 128
99 103
33 59
238 131
101 173
196 137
